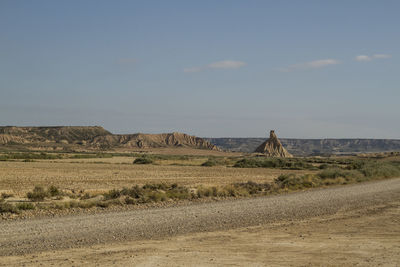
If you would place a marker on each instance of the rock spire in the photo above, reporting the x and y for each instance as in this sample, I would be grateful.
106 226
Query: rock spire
273 147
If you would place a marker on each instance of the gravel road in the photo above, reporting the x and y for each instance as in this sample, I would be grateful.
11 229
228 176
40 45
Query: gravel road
28 236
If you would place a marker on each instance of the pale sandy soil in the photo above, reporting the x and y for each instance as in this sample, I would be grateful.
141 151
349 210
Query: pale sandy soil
354 225
367 237
20 177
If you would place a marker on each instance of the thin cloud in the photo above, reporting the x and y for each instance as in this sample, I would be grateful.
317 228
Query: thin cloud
227 64
224 64
382 56
316 64
365 58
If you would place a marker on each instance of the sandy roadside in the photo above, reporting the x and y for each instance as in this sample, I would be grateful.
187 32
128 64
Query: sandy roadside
364 237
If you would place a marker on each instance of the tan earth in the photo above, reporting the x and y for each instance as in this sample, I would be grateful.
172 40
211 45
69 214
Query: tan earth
366 237
105 174
355 225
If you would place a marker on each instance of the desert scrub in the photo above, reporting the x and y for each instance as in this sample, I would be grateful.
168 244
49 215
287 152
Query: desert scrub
281 163
37 194
143 160
210 163
150 193
294 182
6 195
91 156
53 191
112 194
7 207
377 169
333 173
25 206
28 156
254 188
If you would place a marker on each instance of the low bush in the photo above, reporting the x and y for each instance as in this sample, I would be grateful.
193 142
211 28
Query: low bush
254 188
294 182
143 160
333 173
7 207
29 156
53 191
112 194
86 196
91 156
210 163
294 164
38 194
25 206
6 195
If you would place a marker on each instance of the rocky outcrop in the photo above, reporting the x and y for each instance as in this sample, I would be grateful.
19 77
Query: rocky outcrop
312 147
96 138
273 147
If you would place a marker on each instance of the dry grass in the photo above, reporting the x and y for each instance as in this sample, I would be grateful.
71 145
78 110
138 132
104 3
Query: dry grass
20 177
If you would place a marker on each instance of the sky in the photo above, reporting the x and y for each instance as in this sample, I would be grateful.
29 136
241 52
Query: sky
308 69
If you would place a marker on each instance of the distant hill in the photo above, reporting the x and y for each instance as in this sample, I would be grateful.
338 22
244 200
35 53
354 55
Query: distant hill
307 147
272 147
92 138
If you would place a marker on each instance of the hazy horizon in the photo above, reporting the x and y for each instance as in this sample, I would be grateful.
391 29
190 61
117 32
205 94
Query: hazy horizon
312 69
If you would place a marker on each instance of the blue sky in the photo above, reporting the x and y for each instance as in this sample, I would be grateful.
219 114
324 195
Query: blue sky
308 69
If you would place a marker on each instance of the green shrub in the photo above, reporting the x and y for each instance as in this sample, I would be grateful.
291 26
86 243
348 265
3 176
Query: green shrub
380 169
90 156
134 192
205 192
86 196
254 188
6 195
155 196
143 160
28 157
130 201
53 191
293 182
25 206
7 207
112 194
87 204
333 173
38 194
282 163
210 163
178 192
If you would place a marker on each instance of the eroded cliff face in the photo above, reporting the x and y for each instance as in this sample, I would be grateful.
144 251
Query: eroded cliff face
312 147
94 137
273 147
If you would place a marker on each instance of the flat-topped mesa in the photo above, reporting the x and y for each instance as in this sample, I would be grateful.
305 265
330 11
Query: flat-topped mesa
94 137
273 147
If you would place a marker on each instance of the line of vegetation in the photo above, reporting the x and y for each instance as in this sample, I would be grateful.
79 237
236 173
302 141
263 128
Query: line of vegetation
217 161
28 156
355 172
91 156
281 163
143 160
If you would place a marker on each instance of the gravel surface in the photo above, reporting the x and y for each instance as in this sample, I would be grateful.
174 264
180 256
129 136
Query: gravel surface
28 236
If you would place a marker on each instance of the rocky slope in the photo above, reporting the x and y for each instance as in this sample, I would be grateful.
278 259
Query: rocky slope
93 137
273 147
307 147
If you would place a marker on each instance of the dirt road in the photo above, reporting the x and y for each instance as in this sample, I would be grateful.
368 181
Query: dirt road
31 236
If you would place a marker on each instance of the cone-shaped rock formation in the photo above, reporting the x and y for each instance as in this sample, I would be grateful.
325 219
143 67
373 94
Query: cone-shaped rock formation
273 147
